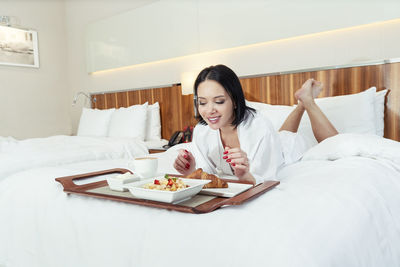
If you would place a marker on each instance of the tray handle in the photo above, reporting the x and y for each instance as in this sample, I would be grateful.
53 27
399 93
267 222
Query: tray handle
68 181
251 193
236 200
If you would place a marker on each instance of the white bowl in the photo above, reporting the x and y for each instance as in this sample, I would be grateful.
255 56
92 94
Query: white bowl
118 182
137 190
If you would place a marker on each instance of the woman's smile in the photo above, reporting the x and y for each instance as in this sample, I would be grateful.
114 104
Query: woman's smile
214 120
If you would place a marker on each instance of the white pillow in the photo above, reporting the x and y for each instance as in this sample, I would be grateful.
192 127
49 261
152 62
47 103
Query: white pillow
353 113
153 124
345 111
380 111
94 122
277 114
129 122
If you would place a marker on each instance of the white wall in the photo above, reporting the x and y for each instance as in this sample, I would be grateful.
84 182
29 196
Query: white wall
195 26
78 15
37 102
378 41
33 101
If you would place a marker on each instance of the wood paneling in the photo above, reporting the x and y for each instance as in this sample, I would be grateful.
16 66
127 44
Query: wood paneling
279 89
134 97
177 109
121 100
392 111
188 111
147 96
171 110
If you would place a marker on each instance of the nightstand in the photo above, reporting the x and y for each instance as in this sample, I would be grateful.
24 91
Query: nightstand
156 150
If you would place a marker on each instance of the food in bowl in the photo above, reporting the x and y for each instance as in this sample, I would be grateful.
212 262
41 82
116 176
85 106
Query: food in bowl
166 184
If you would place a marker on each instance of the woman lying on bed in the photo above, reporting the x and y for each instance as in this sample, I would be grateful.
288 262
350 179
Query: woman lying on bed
231 138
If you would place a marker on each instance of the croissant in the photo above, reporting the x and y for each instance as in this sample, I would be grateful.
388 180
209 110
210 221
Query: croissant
215 181
196 174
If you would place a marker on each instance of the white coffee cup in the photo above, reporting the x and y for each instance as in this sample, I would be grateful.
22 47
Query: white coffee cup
145 167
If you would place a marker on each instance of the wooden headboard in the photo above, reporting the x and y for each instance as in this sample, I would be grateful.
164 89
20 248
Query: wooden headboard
177 109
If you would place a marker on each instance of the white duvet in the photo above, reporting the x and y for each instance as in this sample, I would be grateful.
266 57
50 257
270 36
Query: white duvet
58 150
342 212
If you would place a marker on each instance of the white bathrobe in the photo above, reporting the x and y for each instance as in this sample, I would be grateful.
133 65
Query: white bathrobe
257 138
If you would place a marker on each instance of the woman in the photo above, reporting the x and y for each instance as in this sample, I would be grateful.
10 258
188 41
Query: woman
232 138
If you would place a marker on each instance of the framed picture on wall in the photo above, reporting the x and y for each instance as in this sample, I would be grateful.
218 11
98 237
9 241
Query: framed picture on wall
18 47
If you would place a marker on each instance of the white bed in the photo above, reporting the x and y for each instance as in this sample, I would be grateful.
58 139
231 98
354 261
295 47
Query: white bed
59 150
102 134
339 206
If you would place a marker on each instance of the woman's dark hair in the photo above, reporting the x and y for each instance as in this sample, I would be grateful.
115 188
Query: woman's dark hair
230 81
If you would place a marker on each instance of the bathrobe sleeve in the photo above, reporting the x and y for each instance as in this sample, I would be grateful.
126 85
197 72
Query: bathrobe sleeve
263 147
200 148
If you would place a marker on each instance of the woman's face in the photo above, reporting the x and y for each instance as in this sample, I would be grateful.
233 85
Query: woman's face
215 105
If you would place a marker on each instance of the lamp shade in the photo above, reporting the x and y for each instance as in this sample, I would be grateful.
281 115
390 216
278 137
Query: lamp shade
187 82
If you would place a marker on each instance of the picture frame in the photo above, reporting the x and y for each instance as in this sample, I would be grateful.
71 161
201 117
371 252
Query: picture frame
18 47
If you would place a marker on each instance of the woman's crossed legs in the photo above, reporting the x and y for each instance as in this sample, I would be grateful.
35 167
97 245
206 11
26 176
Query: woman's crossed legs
321 126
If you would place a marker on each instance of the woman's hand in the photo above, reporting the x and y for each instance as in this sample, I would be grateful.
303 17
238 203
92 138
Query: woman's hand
184 162
239 162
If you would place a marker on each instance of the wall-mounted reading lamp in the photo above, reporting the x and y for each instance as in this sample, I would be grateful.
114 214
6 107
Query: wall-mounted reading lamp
10 21
85 95
187 84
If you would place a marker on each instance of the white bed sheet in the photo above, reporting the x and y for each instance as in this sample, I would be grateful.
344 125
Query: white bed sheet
58 150
324 213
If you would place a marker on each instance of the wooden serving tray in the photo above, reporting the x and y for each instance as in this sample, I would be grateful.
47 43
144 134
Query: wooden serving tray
198 203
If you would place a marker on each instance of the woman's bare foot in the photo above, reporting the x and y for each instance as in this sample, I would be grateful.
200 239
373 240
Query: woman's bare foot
308 91
316 88
304 94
